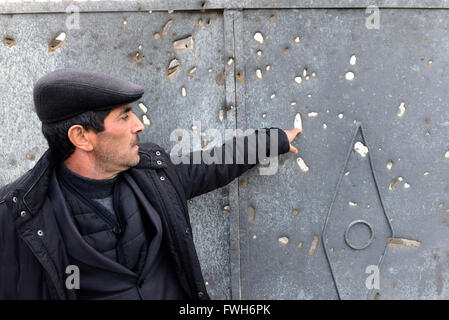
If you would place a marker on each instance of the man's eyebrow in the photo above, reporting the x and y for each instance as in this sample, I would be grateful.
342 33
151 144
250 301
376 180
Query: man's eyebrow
127 109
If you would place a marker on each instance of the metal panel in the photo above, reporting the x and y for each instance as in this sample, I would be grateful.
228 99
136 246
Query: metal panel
403 61
104 43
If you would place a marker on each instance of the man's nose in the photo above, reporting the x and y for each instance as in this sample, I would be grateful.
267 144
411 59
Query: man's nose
139 126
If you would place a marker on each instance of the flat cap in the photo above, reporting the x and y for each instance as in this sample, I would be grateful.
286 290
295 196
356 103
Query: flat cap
65 93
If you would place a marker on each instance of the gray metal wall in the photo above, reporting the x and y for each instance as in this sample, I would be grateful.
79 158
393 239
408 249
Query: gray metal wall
404 61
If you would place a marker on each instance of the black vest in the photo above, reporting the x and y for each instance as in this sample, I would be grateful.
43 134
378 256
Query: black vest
117 233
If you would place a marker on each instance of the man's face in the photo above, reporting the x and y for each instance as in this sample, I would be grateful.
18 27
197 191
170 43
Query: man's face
116 148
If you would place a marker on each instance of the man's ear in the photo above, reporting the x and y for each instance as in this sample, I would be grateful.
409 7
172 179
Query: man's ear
81 138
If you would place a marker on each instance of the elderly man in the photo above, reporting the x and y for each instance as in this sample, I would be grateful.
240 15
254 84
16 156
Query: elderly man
103 207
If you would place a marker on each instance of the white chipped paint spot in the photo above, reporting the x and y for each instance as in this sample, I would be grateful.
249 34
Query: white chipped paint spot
390 165
284 240
258 37
298 80
302 165
143 107
352 204
446 155
350 76
298 122
312 114
401 110
146 120
361 149
340 116
259 74
353 60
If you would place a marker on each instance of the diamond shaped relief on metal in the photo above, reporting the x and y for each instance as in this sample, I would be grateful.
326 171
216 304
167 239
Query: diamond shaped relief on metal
357 226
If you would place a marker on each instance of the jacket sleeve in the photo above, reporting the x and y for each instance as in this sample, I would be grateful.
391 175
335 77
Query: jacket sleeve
200 176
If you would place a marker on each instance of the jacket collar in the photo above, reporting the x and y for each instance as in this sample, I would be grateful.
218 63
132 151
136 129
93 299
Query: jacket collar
33 185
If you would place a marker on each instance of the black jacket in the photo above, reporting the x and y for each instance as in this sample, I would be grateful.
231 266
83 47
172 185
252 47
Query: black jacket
33 256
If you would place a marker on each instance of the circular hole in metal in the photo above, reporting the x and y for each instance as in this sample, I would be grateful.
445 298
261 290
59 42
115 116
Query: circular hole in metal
358 229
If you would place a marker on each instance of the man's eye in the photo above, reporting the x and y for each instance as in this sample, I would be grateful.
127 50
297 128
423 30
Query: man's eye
125 117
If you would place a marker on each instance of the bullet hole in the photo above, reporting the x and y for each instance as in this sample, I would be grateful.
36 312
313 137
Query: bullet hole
286 50
183 92
254 237
297 40
267 68
30 156
313 74
406 185
361 149
284 240
170 11
220 115
143 107
390 165
293 103
146 120
194 128
258 37
259 74
273 96
295 212
210 70
173 68
167 27
272 18
13 162
307 78
298 80
137 57
208 22
352 204
297 124
394 183
57 42
200 22
259 53
203 7
156 36
347 173
312 114
426 173
324 126
446 155
349 76
230 61
264 115
401 110
184 44
9 42
313 246
240 76
429 63
302 165
300 245
340 116
125 22
353 60
192 71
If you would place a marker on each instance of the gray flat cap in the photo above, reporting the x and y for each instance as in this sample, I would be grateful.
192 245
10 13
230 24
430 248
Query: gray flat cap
65 93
